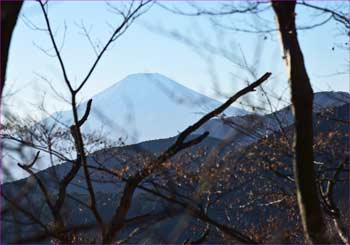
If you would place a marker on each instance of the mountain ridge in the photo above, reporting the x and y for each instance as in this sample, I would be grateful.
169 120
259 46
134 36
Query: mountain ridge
263 175
145 106
229 126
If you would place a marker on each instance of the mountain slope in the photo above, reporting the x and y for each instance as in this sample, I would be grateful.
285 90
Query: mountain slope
254 181
144 107
249 128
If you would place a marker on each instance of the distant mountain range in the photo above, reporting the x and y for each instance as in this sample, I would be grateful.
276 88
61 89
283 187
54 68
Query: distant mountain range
141 107
150 106
249 128
248 139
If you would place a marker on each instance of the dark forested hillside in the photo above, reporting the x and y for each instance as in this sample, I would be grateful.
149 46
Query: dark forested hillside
249 186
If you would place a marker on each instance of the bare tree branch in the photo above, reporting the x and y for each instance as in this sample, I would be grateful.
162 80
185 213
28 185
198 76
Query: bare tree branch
130 17
336 15
64 72
117 220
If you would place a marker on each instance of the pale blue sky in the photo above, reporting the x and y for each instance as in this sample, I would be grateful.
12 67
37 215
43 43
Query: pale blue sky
143 50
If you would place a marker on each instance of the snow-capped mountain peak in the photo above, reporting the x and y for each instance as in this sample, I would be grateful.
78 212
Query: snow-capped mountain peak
145 106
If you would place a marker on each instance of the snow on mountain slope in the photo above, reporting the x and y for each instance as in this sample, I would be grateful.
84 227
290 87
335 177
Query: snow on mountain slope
330 99
249 128
144 107
141 107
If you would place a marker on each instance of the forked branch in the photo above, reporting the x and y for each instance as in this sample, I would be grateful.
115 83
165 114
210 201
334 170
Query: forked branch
117 221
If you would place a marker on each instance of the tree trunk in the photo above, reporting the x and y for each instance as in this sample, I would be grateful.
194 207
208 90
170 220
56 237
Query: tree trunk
9 16
302 101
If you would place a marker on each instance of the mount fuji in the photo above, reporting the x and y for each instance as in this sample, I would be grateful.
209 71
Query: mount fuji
144 106
141 107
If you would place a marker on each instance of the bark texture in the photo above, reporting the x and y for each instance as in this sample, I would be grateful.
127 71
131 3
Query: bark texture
302 102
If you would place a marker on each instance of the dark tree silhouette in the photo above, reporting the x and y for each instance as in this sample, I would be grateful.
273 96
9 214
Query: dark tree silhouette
302 101
9 15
